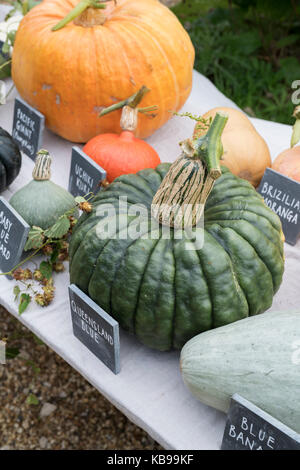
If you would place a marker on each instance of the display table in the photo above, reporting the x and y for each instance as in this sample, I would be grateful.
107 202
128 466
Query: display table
149 389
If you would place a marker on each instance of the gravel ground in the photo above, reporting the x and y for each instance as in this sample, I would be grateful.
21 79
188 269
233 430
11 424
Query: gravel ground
70 414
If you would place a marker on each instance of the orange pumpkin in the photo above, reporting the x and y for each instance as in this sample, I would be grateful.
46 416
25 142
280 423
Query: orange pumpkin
288 163
246 153
121 154
101 57
124 153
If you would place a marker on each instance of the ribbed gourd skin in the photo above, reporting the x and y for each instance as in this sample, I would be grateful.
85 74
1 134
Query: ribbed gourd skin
165 293
41 203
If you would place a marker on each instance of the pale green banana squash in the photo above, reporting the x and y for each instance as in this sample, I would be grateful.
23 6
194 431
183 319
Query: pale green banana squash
258 358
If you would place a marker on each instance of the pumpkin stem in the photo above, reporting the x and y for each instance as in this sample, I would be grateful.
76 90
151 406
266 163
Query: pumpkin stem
296 128
209 147
41 170
132 101
129 118
181 197
79 10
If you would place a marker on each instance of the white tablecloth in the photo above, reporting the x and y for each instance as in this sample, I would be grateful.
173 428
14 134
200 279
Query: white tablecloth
149 389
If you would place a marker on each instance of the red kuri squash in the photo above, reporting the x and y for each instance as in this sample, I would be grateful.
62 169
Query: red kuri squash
124 153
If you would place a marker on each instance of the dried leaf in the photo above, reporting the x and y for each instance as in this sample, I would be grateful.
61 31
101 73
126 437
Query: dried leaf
59 229
46 269
35 239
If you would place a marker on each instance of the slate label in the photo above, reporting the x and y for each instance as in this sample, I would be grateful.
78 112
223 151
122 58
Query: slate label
85 174
97 330
250 428
282 195
13 235
28 127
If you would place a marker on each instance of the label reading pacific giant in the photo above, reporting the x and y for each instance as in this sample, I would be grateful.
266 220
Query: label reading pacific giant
97 330
250 428
85 175
28 127
13 235
282 195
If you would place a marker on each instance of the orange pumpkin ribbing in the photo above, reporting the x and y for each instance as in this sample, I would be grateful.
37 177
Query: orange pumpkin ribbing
71 74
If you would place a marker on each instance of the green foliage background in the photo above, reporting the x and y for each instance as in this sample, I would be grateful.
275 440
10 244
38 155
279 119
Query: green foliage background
250 49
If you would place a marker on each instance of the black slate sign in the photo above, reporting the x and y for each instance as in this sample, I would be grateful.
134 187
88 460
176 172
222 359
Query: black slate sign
250 428
28 127
13 235
97 330
282 195
85 174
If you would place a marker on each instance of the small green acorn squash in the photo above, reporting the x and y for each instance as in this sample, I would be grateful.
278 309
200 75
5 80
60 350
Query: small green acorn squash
10 160
41 202
166 289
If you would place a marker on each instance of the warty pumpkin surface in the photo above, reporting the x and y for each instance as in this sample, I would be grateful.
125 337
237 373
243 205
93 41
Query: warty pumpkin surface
71 74
166 290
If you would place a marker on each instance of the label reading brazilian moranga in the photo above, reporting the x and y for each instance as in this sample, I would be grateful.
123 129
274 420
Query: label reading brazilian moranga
13 235
97 330
282 195
28 127
85 174
250 428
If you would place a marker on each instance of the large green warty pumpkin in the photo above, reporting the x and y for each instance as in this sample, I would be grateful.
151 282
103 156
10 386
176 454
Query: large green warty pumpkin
164 290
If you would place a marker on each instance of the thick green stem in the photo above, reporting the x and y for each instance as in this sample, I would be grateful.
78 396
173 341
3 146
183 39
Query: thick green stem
209 148
132 101
8 62
78 10
180 199
148 109
296 128
11 272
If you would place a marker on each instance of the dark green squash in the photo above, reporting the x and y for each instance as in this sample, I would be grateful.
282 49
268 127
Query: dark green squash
166 291
10 160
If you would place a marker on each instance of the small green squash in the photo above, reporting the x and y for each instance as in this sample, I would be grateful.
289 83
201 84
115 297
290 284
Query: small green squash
41 202
10 160
166 289
258 358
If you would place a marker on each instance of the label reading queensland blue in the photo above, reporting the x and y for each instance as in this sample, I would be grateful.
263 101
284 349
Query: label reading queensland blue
250 428
13 235
85 174
282 195
97 330
28 127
